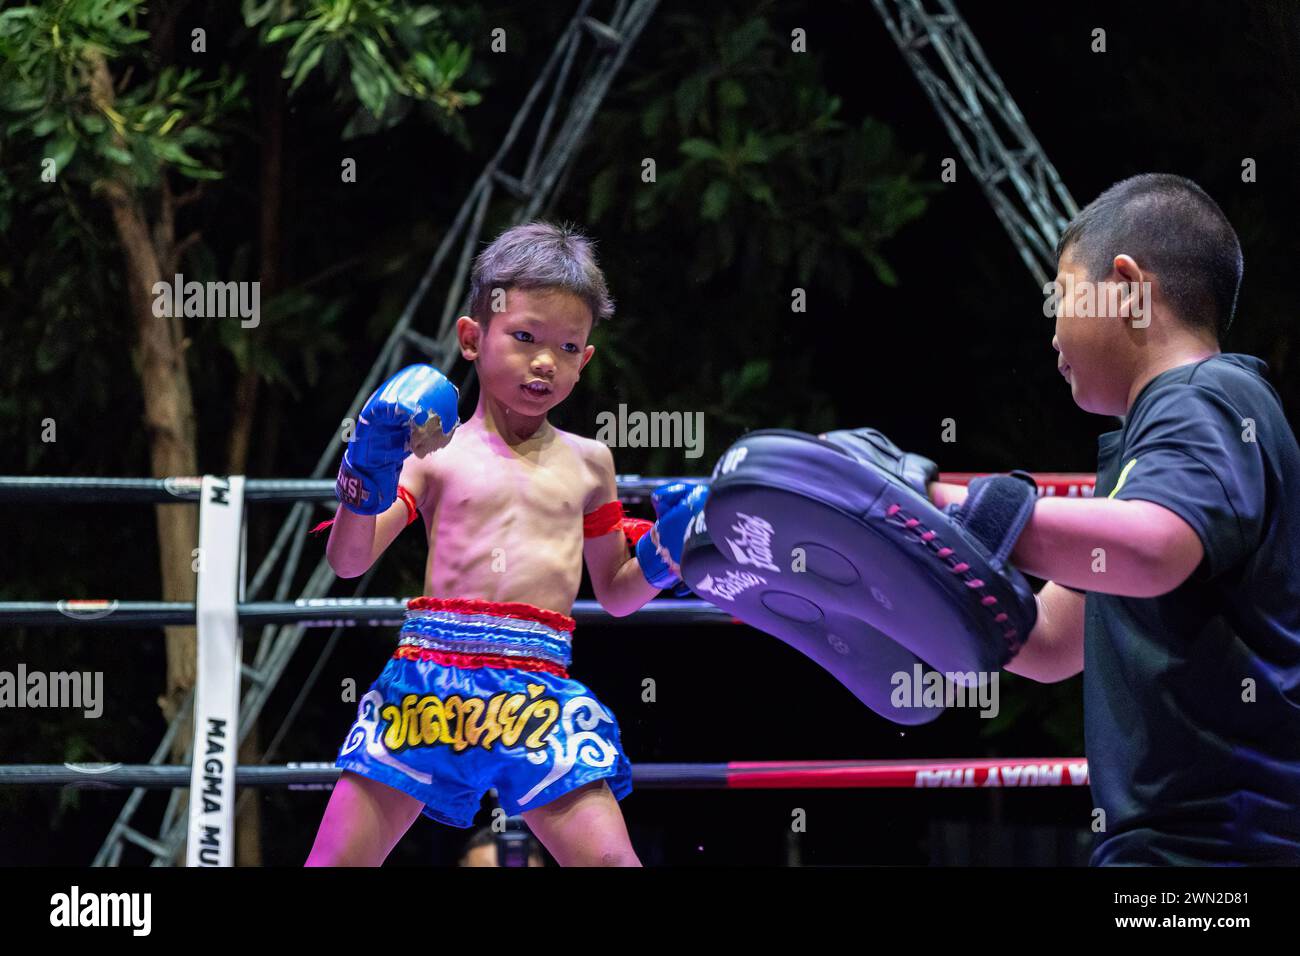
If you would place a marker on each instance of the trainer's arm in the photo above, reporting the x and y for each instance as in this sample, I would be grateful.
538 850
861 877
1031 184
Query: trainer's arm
617 579
356 541
1054 650
1108 545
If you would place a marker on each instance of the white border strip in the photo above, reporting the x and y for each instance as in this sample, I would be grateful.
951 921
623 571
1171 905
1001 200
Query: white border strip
216 696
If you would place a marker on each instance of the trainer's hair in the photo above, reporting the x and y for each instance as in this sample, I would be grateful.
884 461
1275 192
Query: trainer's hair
539 255
1170 226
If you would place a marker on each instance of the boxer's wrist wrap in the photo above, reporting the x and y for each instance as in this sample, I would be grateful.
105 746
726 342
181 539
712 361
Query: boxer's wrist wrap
408 499
996 510
349 488
634 529
355 487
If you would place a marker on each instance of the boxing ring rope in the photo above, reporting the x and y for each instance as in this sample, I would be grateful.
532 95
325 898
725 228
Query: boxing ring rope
315 612
981 773
632 489
220 612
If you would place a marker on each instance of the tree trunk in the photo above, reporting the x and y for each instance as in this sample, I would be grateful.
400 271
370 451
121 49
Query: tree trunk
149 250
169 421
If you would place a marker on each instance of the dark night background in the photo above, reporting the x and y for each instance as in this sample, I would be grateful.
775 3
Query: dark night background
1189 87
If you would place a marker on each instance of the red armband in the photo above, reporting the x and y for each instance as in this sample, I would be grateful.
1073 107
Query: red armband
610 518
635 528
603 520
408 499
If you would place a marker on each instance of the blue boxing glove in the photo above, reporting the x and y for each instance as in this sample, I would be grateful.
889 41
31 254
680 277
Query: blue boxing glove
659 552
414 411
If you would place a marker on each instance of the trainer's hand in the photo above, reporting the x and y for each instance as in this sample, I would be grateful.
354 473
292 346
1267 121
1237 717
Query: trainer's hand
414 411
872 447
659 552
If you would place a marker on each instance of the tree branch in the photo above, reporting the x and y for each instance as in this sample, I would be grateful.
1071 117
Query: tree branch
178 251
194 195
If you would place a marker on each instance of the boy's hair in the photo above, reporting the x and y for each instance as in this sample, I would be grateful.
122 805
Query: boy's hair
1171 227
539 255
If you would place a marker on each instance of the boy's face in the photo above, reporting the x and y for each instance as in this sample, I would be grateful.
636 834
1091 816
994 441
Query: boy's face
1092 344
529 356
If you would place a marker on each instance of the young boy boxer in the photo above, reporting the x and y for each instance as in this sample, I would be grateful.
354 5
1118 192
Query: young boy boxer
477 694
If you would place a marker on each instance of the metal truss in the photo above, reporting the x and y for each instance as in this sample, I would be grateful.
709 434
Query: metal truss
984 122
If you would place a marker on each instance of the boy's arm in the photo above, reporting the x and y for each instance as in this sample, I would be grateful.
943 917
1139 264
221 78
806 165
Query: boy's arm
1131 548
616 577
415 410
356 541
1054 650
1128 547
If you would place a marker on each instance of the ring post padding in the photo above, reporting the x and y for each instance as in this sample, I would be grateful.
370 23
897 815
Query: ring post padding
216 696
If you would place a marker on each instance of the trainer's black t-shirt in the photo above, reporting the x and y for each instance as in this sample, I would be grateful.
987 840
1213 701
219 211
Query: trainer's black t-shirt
1192 699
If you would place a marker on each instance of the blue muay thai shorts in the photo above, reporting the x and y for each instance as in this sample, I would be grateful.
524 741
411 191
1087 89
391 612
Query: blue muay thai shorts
478 696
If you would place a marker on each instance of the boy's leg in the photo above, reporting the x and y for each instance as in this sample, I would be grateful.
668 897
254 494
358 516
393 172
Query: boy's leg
584 827
362 823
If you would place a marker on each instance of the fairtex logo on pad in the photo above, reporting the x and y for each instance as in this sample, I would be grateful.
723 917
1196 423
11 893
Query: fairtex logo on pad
730 584
755 543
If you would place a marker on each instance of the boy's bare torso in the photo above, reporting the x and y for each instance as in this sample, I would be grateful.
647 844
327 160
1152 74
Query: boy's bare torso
504 522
